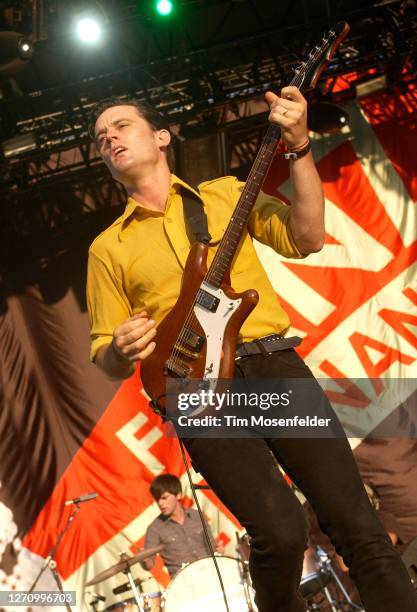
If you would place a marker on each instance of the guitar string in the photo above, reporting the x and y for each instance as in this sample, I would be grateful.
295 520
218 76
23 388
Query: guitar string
273 133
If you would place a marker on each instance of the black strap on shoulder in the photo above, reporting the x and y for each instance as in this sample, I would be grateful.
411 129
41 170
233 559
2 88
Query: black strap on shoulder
196 217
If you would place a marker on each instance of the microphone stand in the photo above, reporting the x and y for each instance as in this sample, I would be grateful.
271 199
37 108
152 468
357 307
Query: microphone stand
244 572
50 561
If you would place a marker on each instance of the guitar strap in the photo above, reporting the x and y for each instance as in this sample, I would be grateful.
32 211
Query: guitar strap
197 227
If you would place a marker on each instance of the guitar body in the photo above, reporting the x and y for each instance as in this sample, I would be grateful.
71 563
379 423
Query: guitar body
197 339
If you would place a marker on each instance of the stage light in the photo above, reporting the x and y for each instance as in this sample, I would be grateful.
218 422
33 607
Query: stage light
15 50
164 7
18 145
326 117
25 48
89 30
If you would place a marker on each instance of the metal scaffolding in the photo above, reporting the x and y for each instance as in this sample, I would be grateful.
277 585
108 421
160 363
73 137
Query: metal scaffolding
192 84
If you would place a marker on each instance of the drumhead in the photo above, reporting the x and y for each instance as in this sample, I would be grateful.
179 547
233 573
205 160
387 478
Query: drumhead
196 587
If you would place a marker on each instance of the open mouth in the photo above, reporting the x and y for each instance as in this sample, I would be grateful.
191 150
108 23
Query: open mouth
118 150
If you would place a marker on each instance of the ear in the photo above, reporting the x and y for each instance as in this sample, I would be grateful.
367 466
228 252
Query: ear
163 138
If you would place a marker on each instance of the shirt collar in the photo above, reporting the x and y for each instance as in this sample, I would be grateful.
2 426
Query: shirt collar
167 519
133 206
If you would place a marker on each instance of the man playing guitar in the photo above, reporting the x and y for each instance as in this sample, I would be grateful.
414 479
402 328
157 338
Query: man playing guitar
134 279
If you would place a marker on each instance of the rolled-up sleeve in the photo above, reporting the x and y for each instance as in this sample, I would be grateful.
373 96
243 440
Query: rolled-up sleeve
107 303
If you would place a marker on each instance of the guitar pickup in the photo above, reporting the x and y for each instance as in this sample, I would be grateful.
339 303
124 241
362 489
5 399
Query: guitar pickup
207 300
192 339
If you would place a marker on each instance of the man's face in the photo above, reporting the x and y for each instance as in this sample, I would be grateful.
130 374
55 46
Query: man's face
127 143
168 503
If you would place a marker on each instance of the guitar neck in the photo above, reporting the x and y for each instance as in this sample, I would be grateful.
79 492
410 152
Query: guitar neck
306 76
237 224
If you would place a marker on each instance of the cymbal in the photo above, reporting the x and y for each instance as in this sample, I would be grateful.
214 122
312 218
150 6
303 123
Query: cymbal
124 564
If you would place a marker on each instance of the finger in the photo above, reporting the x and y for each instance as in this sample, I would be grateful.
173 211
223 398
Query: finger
284 105
126 342
283 111
142 354
132 326
148 351
131 351
142 342
287 119
292 93
270 97
139 315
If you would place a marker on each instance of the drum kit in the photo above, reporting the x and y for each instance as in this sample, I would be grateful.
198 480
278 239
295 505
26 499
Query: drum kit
195 587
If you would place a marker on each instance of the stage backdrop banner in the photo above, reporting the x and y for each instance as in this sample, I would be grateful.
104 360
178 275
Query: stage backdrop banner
66 431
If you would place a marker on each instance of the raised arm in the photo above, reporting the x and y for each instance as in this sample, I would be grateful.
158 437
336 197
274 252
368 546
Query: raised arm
307 212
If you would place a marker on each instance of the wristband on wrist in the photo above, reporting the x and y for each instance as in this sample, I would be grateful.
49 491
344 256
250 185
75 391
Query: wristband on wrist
299 152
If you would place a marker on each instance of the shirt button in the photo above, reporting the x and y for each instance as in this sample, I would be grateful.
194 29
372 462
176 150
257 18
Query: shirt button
168 220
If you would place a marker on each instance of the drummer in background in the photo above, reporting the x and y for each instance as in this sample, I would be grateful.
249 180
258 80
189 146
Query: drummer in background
179 529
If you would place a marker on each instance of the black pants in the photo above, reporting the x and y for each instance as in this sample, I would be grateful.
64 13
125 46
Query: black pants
244 475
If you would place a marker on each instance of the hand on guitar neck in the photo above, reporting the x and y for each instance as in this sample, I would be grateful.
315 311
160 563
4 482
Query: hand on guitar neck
133 341
290 112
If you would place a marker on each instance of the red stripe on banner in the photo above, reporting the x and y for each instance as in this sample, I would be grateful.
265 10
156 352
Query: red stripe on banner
350 395
298 320
393 119
328 239
347 186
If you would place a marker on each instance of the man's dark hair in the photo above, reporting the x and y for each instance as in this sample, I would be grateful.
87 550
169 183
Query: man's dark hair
146 111
165 483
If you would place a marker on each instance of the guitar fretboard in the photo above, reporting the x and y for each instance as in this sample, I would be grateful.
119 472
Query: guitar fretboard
237 223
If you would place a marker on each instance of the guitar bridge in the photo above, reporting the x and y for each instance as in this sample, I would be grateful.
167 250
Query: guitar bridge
185 351
178 367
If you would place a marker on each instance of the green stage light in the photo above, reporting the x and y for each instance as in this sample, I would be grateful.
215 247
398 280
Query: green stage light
164 7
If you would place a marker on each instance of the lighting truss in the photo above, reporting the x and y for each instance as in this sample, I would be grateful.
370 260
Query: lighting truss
198 84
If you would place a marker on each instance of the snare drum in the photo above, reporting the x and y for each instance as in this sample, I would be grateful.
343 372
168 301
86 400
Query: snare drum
127 605
196 587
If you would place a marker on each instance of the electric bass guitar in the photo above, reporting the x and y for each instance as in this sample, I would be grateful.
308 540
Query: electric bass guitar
197 339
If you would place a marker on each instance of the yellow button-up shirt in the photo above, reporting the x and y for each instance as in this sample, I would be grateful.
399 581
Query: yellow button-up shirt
137 263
